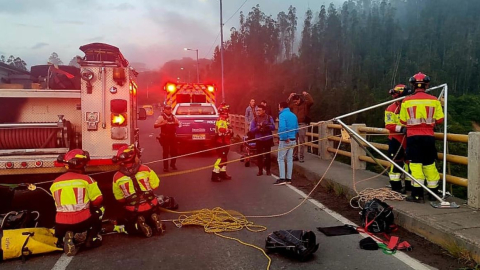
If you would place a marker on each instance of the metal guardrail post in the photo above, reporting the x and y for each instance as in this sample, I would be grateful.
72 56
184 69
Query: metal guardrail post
474 169
357 150
323 145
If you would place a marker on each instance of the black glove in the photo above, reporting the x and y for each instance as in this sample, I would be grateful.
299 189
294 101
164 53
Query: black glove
407 91
403 130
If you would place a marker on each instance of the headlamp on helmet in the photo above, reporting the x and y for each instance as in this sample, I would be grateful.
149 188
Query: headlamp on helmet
74 159
397 90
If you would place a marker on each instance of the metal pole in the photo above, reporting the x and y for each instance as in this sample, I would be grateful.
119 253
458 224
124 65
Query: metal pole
383 104
198 75
221 49
445 95
387 158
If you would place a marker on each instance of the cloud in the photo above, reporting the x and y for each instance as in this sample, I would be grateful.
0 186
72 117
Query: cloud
124 7
72 22
95 39
26 25
39 45
25 6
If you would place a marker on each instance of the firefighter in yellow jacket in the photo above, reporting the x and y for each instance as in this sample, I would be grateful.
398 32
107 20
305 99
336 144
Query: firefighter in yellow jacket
420 113
133 186
223 140
79 204
396 141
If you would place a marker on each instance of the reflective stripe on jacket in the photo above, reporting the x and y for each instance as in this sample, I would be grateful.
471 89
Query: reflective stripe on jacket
73 194
123 186
392 122
420 112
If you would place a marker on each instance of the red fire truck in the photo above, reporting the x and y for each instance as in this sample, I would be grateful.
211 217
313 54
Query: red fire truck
93 108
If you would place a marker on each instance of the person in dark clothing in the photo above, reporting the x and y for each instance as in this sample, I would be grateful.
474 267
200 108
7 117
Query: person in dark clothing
262 126
300 106
168 124
268 109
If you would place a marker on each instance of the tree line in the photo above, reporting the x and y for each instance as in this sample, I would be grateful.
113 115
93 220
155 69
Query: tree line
348 57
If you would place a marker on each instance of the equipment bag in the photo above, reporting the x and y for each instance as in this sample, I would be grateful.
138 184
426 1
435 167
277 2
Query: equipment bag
298 244
377 217
21 243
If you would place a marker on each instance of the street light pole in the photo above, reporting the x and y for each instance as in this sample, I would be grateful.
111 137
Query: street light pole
221 49
196 50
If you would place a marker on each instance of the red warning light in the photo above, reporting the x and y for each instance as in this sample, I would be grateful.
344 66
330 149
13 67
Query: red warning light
210 88
171 87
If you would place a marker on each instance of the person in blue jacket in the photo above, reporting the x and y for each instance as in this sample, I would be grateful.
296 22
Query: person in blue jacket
262 126
287 132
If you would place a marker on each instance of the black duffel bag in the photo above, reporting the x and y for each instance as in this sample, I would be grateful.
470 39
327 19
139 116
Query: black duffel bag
298 244
377 217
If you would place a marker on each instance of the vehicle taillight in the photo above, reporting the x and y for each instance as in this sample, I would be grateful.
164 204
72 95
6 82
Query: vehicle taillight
9 165
38 163
24 164
118 108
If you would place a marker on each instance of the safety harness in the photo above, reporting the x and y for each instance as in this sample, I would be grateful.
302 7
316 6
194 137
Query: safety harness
140 196
378 219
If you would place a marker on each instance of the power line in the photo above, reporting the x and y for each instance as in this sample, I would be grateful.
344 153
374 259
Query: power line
235 13
212 45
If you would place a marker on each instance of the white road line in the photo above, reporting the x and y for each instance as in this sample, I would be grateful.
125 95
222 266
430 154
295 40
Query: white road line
62 262
414 263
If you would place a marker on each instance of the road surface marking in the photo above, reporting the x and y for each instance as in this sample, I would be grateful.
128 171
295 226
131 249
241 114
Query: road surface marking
402 256
62 262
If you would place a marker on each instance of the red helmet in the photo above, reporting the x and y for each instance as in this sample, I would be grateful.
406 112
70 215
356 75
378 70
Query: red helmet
397 90
75 159
126 154
420 80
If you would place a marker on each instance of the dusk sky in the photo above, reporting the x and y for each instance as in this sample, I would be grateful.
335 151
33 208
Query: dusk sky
147 31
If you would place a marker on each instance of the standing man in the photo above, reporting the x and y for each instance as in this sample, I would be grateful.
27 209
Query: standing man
133 186
300 106
168 124
262 126
250 112
287 131
420 113
223 133
396 141
268 109
79 203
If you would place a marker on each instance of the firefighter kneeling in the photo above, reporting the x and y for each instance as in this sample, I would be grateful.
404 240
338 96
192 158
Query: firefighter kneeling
420 113
133 185
79 204
223 136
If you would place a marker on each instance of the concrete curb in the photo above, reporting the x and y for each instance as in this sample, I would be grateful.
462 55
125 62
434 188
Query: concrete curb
456 230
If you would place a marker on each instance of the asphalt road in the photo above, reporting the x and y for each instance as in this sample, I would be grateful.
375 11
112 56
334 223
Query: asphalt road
192 248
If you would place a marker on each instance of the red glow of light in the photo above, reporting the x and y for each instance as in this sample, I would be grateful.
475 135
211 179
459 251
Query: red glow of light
23 164
9 165
210 88
38 163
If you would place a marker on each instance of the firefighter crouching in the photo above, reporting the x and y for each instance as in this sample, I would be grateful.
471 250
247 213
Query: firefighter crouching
420 113
223 134
397 142
133 186
79 204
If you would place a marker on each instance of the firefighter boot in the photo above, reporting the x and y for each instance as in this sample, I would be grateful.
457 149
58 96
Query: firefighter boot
417 195
430 196
93 242
224 175
216 177
159 226
143 227
68 245
396 186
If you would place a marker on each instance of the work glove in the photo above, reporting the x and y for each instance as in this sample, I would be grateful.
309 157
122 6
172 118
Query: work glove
403 130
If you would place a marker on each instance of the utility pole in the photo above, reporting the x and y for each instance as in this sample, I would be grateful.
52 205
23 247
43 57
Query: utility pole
221 49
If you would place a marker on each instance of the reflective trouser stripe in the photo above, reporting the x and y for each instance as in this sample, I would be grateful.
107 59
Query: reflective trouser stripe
432 175
395 176
216 168
417 173
223 169
407 169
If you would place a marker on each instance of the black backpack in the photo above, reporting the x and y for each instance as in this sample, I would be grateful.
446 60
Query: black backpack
377 217
295 243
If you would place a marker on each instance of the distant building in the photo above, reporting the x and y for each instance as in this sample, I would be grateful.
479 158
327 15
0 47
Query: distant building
10 75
